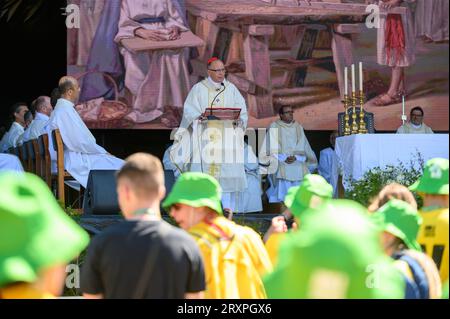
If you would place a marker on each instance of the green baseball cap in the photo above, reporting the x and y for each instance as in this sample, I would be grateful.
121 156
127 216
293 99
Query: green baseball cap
434 179
35 233
401 220
336 254
196 190
311 193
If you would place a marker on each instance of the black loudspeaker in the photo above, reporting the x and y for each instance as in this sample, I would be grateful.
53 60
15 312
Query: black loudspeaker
100 196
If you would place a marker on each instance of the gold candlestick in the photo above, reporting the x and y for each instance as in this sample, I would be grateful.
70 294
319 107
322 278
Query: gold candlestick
346 117
362 124
354 118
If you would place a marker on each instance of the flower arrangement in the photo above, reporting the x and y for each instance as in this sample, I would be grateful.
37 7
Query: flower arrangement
366 188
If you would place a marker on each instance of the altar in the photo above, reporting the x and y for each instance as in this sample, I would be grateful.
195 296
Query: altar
359 153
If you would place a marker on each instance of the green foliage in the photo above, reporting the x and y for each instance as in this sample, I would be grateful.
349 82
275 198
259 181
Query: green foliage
366 188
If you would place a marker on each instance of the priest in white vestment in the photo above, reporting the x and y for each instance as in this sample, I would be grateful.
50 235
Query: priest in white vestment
14 136
81 152
415 124
290 151
43 111
157 80
328 163
248 201
216 92
10 162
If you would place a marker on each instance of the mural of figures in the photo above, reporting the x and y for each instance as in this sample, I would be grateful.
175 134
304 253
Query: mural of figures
274 53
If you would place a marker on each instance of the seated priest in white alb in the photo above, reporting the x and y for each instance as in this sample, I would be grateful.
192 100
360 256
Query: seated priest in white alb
13 137
43 111
290 151
213 92
248 201
328 163
81 152
10 163
415 124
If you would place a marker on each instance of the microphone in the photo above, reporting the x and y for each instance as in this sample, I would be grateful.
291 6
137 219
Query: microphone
211 116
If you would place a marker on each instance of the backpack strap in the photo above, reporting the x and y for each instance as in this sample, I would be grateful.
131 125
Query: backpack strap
419 275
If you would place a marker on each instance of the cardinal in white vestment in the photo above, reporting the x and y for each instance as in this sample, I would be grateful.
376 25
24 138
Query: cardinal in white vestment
213 92
81 152
289 149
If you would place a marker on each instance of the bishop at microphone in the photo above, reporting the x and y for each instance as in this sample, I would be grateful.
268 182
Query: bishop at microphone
213 92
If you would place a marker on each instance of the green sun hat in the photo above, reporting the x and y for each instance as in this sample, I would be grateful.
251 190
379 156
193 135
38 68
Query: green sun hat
35 233
434 179
196 190
401 220
336 254
311 193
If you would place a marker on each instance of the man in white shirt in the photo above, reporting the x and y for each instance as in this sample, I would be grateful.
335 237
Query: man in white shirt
14 136
43 110
328 162
415 124
289 149
81 152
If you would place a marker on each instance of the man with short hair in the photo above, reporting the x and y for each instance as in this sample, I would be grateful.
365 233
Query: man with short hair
142 257
81 152
290 152
234 256
433 233
415 124
13 137
43 110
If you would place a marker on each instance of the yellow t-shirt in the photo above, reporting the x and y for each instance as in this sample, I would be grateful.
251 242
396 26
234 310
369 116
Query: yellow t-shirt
234 257
433 237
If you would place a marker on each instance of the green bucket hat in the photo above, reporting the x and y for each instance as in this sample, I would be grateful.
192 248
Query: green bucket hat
35 233
313 190
434 179
196 190
401 220
336 254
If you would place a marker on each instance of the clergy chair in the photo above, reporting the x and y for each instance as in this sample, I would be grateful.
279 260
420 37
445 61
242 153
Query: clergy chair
37 158
31 156
368 119
15 151
24 157
46 162
61 174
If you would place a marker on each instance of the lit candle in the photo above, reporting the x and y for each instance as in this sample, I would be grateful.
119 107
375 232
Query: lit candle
346 81
360 77
353 79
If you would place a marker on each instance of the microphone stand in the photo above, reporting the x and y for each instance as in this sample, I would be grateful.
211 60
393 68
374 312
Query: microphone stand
211 116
